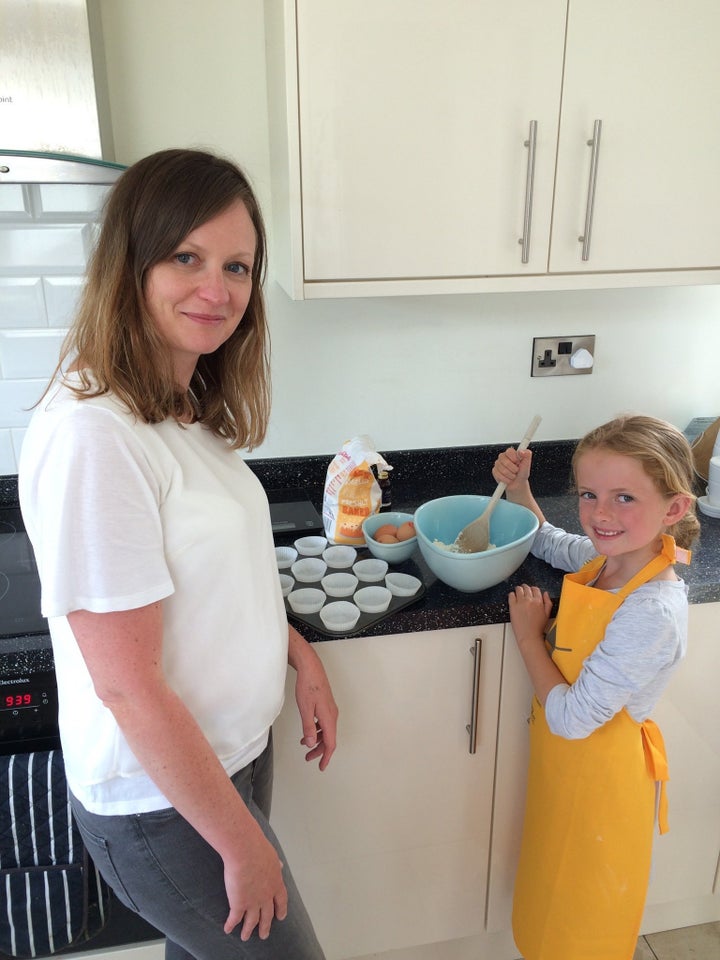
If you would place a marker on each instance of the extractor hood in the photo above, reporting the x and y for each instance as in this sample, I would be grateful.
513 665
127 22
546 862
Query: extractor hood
25 167
53 78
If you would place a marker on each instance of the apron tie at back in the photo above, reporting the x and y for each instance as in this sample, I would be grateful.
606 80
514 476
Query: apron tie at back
673 552
657 765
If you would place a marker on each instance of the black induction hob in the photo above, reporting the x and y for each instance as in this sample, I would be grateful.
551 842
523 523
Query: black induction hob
19 582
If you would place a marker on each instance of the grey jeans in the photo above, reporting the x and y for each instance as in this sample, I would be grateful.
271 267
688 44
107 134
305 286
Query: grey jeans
161 868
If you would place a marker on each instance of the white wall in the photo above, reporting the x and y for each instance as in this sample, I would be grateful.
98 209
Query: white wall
456 370
411 371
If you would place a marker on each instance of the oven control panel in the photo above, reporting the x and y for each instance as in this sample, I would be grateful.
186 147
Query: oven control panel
28 689
28 712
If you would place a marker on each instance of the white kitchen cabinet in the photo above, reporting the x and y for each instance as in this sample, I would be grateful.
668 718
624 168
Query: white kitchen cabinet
389 846
413 117
510 784
684 887
401 140
685 879
650 72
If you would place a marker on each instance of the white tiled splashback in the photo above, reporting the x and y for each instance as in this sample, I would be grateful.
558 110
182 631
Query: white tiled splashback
46 234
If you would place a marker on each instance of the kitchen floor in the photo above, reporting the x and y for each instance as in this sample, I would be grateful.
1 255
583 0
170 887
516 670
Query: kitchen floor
688 943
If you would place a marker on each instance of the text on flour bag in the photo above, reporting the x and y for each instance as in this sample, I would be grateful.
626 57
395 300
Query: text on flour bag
351 491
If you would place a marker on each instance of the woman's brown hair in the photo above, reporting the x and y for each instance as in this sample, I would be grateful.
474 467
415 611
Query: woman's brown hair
661 450
113 341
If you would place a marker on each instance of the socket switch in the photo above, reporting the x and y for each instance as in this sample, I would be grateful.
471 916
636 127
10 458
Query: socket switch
562 356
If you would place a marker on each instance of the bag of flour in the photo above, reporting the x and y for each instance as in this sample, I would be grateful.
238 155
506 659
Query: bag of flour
351 491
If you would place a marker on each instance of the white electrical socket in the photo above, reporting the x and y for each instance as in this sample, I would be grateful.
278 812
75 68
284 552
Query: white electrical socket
557 356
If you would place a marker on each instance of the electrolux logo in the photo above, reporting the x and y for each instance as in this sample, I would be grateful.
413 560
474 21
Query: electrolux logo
17 680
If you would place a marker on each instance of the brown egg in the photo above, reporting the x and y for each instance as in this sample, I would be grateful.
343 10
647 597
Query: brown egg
386 528
387 538
406 530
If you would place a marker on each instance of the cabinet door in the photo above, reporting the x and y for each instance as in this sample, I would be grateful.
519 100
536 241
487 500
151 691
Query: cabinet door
389 846
413 120
650 72
686 860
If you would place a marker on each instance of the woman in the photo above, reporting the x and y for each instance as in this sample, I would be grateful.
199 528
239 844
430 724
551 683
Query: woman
155 552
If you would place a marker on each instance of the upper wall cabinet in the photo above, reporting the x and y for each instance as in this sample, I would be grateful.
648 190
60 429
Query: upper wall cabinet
471 145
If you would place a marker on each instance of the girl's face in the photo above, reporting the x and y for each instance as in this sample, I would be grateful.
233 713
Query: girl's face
198 295
621 509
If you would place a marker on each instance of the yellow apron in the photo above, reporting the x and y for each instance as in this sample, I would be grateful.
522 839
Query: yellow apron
587 838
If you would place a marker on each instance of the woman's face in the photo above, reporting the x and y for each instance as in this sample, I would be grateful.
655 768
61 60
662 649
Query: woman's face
198 295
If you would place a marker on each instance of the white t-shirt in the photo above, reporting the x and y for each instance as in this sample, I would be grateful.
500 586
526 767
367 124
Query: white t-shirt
122 514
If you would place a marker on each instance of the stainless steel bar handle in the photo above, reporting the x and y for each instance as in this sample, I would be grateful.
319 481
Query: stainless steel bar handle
472 727
592 183
529 185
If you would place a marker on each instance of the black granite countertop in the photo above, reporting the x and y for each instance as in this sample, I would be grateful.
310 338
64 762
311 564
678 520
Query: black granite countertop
443 606
421 475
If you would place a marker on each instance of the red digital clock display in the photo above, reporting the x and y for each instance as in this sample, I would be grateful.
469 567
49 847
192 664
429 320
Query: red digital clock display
12 700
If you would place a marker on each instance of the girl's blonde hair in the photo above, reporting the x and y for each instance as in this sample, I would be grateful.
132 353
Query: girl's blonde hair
149 211
661 450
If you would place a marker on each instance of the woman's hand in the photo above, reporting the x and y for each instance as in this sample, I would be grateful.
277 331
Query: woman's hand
254 885
318 710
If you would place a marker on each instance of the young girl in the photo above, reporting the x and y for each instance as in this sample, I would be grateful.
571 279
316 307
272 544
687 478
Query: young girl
597 763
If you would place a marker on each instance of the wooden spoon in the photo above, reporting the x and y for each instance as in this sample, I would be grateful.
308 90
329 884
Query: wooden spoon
475 537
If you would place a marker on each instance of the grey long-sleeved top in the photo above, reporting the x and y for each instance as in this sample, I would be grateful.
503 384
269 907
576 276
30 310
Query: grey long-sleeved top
644 642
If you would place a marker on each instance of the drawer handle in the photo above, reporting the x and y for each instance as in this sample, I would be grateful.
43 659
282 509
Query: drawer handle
529 186
592 183
472 727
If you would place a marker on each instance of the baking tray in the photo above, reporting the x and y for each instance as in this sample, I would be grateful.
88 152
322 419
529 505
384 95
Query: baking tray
366 619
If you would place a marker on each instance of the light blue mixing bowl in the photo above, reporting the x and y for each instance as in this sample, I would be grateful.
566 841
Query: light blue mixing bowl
512 529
